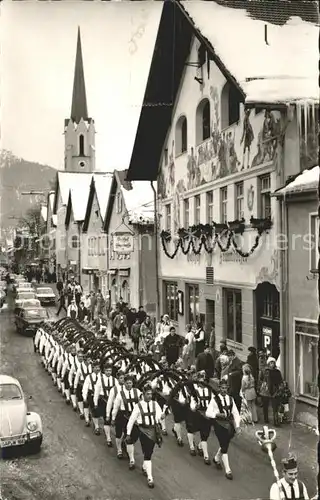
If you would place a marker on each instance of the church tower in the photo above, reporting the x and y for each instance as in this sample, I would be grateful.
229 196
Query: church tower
79 130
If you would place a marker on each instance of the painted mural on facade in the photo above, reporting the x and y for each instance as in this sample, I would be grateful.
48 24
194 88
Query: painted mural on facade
308 122
247 144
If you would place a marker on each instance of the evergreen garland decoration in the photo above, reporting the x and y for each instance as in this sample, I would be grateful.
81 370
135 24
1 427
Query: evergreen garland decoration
211 235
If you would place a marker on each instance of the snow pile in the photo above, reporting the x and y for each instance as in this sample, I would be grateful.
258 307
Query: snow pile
308 179
282 70
139 201
76 181
102 185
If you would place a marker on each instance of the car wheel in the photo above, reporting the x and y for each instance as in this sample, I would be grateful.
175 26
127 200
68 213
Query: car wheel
35 446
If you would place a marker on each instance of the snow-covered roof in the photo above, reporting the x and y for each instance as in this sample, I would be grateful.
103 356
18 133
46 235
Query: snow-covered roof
44 212
103 186
306 181
282 70
75 181
139 202
79 196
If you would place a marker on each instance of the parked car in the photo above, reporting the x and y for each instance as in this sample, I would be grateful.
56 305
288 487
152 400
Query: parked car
46 295
18 426
23 295
22 285
28 320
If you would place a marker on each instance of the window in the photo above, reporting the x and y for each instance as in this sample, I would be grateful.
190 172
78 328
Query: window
91 246
306 369
230 105
265 196
314 242
197 205
193 304
186 213
224 205
209 206
203 121
119 203
239 201
233 315
168 218
74 241
181 135
171 300
81 145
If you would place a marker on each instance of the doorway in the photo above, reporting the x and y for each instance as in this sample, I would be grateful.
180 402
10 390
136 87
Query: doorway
268 318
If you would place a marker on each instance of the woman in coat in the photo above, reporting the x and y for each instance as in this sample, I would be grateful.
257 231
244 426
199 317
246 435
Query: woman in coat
269 385
248 391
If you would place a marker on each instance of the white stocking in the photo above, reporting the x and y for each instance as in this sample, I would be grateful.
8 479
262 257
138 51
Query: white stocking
190 440
130 450
119 445
95 423
107 431
163 425
204 446
177 428
80 406
74 400
59 383
225 461
54 377
86 414
148 469
62 387
218 456
67 392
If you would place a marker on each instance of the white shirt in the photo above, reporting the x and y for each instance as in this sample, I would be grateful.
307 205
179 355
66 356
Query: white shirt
213 409
135 416
202 392
38 337
68 363
119 403
112 396
275 493
109 382
82 371
61 361
87 385
201 336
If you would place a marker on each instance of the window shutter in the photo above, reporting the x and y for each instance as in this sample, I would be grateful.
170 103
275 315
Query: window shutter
209 276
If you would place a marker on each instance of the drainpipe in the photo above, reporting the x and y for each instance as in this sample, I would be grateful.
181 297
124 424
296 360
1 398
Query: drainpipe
79 252
283 288
140 267
156 250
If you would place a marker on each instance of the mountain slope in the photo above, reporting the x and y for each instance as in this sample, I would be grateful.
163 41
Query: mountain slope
18 175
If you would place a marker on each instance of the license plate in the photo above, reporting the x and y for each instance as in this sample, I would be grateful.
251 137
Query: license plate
12 442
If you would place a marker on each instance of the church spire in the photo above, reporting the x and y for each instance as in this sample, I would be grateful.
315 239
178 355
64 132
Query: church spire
79 99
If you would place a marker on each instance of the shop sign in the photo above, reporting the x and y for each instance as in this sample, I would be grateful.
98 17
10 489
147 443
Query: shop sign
232 257
267 336
119 256
123 243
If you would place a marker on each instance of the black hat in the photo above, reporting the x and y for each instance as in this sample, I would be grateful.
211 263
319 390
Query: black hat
129 376
147 387
290 463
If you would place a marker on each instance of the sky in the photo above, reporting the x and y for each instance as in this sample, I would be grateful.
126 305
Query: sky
38 47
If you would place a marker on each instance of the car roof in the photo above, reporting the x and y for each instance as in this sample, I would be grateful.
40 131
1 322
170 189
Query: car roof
44 288
7 379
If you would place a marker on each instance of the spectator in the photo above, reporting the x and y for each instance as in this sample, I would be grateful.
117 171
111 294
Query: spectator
99 302
189 353
248 390
199 339
222 363
253 362
165 327
146 333
82 312
284 395
141 315
172 346
156 350
205 362
93 302
120 304
159 326
59 286
212 340
62 303
234 378
269 388
131 319
119 325
135 334
72 310
77 292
